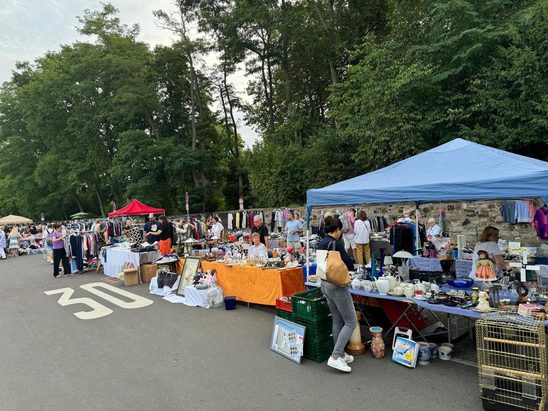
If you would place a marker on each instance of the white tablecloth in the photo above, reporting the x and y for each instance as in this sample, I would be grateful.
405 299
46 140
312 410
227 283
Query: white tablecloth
196 298
117 257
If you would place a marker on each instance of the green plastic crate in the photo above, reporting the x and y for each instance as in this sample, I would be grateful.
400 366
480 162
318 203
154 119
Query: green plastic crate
318 352
284 314
310 305
322 326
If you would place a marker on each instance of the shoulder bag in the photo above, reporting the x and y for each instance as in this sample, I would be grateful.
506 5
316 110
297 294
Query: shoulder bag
331 267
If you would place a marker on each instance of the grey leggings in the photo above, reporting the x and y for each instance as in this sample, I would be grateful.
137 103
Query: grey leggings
344 317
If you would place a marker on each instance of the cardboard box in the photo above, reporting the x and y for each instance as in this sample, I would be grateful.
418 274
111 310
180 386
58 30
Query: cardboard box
131 276
148 271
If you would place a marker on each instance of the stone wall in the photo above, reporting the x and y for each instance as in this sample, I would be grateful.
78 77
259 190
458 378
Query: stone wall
466 218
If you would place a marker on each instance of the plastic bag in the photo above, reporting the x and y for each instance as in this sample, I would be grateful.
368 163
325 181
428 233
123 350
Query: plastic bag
215 297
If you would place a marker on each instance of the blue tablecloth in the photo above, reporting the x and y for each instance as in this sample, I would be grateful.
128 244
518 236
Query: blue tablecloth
426 305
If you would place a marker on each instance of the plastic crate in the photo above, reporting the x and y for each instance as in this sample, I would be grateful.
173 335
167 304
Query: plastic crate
318 352
316 327
284 305
310 305
285 314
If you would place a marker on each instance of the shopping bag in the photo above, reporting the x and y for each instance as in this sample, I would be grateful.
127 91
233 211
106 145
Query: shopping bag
331 267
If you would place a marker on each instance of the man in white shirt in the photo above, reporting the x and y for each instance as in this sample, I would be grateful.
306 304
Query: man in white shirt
217 230
362 230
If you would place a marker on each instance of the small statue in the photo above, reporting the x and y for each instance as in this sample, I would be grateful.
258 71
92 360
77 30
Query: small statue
483 304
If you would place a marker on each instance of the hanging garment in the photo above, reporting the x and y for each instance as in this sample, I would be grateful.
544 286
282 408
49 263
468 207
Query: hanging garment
76 251
272 221
229 219
541 222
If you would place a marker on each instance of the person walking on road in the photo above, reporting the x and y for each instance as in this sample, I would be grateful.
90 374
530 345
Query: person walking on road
59 252
14 241
2 243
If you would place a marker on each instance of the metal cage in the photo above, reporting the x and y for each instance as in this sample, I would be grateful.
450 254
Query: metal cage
512 365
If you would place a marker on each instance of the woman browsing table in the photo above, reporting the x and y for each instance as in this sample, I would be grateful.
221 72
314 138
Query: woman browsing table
488 242
338 298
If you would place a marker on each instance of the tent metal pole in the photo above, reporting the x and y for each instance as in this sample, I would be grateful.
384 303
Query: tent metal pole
307 243
417 238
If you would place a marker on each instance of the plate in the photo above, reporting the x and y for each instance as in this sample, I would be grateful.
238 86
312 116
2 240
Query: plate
490 310
395 295
420 297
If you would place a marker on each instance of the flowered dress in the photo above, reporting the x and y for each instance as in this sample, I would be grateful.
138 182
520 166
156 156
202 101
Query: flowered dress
485 269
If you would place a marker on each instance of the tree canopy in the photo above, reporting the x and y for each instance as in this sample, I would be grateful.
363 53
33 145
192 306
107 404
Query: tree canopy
336 88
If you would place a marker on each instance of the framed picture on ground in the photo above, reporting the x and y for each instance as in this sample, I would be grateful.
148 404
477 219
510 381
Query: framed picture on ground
405 352
192 264
288 339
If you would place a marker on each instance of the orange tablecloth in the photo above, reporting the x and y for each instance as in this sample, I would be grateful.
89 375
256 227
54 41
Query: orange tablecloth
256 285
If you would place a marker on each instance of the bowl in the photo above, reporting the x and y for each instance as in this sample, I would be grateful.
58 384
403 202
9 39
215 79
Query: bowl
461 282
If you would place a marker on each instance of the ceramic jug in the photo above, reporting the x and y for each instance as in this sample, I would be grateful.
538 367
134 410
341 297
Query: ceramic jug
383 285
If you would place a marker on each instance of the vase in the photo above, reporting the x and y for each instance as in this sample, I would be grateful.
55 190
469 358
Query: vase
424 353
377 343
355 345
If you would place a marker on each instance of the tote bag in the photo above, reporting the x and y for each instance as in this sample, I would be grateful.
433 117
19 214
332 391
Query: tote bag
331 267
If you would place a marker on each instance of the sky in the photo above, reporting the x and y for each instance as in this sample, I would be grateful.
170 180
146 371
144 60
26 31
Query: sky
30 28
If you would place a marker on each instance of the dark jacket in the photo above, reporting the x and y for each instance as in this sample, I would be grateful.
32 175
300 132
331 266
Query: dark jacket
327 244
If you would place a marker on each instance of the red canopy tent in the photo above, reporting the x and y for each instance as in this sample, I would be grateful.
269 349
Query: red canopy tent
135 207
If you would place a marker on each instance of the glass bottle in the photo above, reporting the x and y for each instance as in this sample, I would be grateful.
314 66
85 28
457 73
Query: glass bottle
475 294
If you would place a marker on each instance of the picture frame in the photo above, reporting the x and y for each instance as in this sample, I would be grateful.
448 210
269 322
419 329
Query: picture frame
192 264
406 352
288 339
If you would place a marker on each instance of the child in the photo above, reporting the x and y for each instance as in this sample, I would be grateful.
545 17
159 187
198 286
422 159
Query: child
485 268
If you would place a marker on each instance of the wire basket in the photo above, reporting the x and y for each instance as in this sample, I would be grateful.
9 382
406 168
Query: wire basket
512 365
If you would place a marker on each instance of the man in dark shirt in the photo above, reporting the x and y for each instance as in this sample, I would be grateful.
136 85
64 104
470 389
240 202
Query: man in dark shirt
151 226
259 227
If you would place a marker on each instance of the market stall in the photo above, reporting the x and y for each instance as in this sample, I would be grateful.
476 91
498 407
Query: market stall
457 170
135 207
256 284
114 259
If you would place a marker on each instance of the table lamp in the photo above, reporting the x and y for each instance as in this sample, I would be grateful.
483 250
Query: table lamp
403 270
388 260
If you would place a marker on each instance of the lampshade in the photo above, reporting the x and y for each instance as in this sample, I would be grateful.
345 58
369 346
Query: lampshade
403 254
388 260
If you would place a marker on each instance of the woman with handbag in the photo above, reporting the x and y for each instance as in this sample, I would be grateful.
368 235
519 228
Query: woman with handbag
338 296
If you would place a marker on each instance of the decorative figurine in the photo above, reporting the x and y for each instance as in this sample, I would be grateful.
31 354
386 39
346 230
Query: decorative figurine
485 268
377 343
483 304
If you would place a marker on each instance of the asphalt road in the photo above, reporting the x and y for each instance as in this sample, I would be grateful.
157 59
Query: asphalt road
168 356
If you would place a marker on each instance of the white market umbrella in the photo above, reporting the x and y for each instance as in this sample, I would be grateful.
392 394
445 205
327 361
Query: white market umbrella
15 219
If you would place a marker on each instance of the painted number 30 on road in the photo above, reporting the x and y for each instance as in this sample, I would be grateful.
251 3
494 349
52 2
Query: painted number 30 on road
98 310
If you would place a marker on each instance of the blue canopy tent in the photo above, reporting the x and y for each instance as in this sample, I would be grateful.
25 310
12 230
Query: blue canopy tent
457 170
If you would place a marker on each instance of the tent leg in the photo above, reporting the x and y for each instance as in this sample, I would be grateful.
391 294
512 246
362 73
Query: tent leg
417 238
307 267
